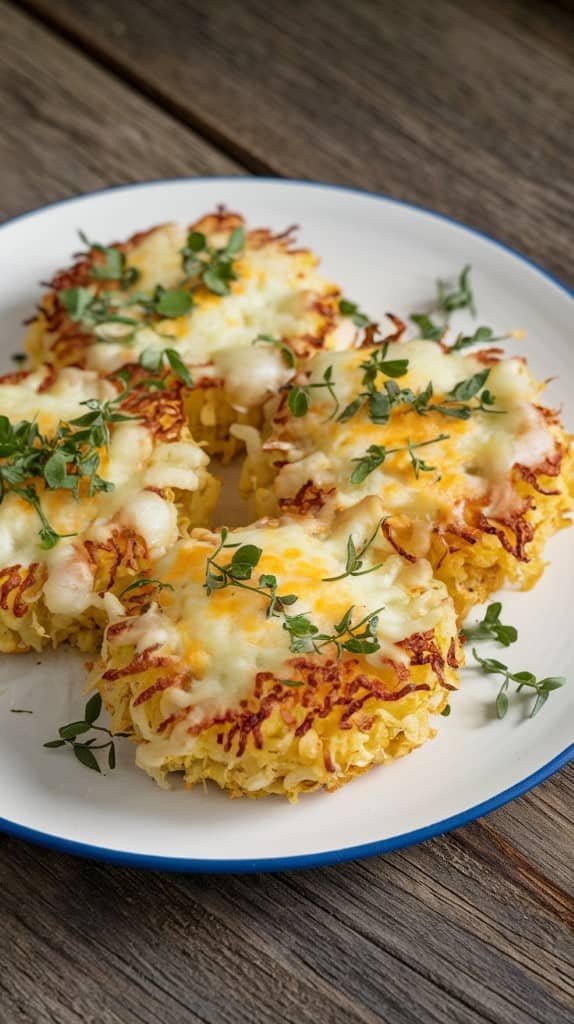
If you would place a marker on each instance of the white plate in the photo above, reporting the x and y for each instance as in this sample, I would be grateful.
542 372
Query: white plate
387 255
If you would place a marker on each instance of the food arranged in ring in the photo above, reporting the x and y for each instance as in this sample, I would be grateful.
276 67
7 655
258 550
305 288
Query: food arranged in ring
395 484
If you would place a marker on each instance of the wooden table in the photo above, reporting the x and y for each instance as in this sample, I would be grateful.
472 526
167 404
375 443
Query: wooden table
466 107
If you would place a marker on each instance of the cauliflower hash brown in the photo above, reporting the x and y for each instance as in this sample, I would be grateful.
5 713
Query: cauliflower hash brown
208 292
472 471
396 484
97 483
269 670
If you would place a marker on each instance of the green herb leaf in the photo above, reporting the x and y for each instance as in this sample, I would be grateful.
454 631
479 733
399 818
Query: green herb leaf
85 756
298 401
196 242
466 389
93 708
428 329
491 628
73 729
351 310
460 297
480 337
174 302
145 581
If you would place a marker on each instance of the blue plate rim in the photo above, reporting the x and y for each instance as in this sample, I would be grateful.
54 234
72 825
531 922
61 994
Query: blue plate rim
327 857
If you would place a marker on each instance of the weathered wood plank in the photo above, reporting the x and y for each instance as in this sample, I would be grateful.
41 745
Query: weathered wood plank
433 934
68 127
540 827
473 927
464 110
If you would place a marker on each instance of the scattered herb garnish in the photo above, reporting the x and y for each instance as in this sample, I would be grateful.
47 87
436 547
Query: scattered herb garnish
146 581
286 351
446 711
429 330
244 560
448 300
377 453
460 297
491 628
480 336
97 311
157 360
304 634
351 309
378 403
354 560
300 395
212 267
21 711
541 687
114 266
61 462
18 357
84 749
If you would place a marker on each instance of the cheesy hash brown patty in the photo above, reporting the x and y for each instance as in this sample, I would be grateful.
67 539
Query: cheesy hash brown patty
472 471
81 520
207 292
268 670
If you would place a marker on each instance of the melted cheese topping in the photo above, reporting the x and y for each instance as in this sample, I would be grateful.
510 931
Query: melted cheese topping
133 463
226 638
473 464
276 293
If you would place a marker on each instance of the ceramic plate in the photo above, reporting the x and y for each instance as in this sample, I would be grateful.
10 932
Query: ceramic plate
387 255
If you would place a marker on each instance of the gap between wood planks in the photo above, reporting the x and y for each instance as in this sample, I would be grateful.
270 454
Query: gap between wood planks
42 13
537 887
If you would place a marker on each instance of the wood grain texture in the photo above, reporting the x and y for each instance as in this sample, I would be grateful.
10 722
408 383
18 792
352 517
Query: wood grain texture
461 106
68 127
465 107
433 934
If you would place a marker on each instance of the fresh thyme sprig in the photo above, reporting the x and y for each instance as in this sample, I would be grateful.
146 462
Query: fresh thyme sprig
458 297
158 360
61 462
212 267
377 453
429 331
491 628
244 560
300 395
146 581
541 687
481 336
83 749
96 312
354 559
114 267
450 298
377 402
304 635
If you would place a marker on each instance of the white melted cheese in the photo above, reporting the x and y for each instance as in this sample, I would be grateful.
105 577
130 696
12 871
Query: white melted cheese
473 463
226 639
133 463
275 294
251 374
